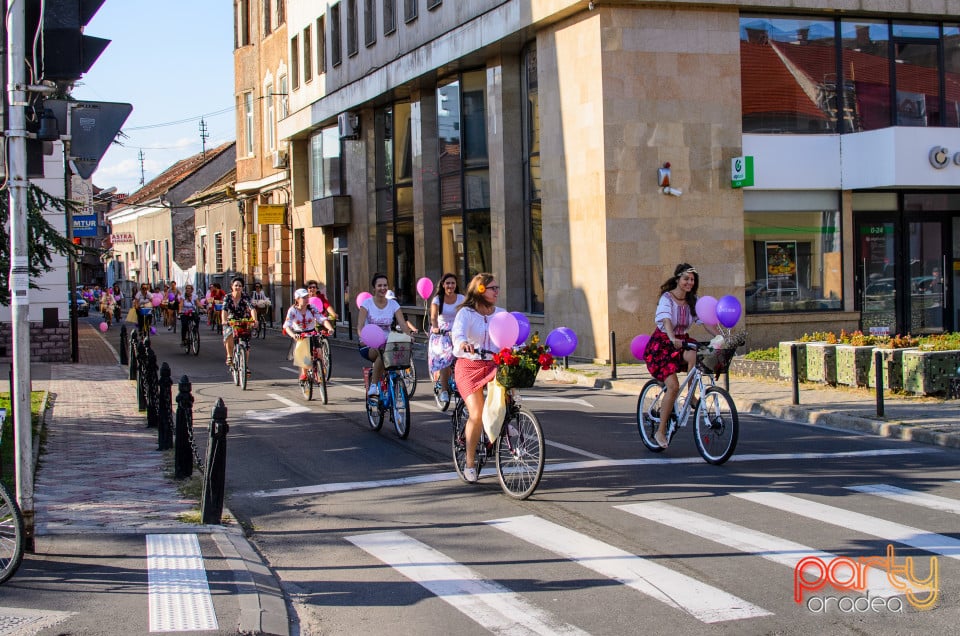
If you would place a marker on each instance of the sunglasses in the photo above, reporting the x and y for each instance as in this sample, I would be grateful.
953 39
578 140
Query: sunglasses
493 288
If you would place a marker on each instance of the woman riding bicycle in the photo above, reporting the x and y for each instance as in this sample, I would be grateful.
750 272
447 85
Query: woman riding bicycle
143 303
302 317
188 312
236 306
443 310
665 354
379 311
470 334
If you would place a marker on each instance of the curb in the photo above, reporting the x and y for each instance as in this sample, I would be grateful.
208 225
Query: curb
263 608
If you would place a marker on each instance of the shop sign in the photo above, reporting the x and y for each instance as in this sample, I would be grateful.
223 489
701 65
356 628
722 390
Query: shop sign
940 157
85 225
741 171
270 214
253 250
122 237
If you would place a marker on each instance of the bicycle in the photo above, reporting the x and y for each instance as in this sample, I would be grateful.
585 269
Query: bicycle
261 328
519 449
191 334
452 394
214 318
12 531
393 396
716 422
316 373
241 350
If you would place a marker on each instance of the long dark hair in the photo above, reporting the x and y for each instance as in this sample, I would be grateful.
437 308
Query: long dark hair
440 292
474 296
671 283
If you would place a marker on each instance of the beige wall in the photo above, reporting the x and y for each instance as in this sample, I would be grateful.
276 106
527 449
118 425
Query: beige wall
152 226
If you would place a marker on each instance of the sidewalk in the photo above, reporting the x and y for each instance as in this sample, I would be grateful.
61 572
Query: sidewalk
101 481
918 419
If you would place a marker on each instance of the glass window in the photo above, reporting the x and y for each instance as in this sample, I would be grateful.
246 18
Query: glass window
394 182
284 97
352 27
336 50
324 163
788 75
307 54
432 4
915 53
409 10
951 72
321 45
266 18
532 179
269 121
389 16
866 74
369 22
295 61
281 14
793 260
248 122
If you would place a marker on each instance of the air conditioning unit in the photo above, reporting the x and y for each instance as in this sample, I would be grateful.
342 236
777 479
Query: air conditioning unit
279 158
348 125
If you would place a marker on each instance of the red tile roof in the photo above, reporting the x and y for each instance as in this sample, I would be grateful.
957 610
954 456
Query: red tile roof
174 175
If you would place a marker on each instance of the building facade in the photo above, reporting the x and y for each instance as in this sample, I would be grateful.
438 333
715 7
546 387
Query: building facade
581 150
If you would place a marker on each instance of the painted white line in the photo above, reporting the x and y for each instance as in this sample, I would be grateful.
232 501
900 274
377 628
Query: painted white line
283 400
582 465
704 602
179 597
491 605
781 551
555 400
290 369
574 450
926 500
865 524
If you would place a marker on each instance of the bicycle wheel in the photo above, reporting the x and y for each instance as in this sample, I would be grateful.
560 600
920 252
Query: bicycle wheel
327 359
374 414
234 368
195 338
306 386
520 454
242 366
716 426
11 534
320 376
261 327
458 441
410 379
400 408
443 405
648 414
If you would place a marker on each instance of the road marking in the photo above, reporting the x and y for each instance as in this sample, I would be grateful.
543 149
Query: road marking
576 451
873 526
594 464
926 500
290 369
754 542
283 400
268 415
179 597
554 400
491 605
704 602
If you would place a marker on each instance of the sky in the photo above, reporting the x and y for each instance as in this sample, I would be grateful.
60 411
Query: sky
173 60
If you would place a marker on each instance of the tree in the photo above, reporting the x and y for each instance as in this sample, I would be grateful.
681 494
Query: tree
42 238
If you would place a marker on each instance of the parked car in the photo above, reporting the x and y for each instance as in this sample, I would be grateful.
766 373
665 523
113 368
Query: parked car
83 307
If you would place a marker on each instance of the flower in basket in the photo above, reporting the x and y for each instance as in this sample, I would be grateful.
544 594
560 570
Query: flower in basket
518 366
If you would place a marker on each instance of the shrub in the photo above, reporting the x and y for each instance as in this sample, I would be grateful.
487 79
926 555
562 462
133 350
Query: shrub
763 354
940 342
820 336
900 342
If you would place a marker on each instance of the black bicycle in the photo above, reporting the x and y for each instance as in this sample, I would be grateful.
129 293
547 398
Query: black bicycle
12 532
241 351
190 340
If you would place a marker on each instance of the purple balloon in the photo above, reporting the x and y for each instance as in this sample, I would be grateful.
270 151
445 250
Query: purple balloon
503 329
524 327
561 341
638 346
707 310
372 336
728 311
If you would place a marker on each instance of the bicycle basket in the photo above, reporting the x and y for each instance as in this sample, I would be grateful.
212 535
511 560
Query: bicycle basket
716 360
396 354
145 311
517 376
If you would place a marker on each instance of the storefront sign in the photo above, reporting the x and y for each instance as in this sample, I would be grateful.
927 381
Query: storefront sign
85 225
940 157
122 237
270 214
741 172
252 248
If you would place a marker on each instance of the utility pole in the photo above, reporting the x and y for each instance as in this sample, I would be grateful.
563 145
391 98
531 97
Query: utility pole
140 157
204 134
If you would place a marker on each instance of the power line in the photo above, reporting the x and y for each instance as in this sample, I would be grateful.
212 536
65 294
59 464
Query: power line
179 121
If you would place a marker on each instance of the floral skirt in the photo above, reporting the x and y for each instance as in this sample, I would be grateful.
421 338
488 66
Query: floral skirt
440 353
662 358
472 375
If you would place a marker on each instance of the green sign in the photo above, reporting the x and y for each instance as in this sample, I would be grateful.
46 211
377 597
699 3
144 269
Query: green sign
741 172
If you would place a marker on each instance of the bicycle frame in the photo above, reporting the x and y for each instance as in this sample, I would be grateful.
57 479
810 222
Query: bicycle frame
694 380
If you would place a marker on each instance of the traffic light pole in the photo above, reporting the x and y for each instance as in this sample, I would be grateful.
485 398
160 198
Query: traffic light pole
19 259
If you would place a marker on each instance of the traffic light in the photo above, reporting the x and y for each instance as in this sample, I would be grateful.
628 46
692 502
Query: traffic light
67 52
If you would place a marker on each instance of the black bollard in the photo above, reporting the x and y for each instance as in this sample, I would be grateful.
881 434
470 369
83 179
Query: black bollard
165 407
182 458
123 345
613 355
349 325
878 363
152 386
211 505
794 362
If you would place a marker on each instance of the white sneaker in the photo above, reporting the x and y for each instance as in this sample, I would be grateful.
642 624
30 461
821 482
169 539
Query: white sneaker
470 474
373 390
444 396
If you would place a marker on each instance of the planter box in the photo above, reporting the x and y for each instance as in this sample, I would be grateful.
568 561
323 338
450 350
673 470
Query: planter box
755 368
929 372
822 362
892 369
786 369
853 365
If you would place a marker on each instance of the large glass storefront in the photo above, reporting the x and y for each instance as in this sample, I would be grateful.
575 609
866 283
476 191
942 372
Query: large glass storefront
394 181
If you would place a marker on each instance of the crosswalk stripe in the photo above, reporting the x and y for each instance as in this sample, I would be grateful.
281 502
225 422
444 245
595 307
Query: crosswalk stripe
179 597
873 526
490 604
775 549
704 602
926 500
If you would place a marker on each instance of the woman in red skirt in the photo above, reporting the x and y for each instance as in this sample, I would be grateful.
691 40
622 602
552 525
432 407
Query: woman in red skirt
665 355
474 370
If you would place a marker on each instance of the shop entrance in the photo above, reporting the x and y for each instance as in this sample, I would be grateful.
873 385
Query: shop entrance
905 275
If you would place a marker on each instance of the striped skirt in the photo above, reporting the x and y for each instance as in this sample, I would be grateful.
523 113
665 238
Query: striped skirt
472 375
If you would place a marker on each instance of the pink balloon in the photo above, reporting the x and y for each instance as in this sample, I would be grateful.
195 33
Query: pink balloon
707 310
639 345
424 287
153 331
372 336
156 299
504 329
104 326
362 298
316 302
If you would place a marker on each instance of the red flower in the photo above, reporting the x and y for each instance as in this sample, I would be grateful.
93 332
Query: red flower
546 361
497 358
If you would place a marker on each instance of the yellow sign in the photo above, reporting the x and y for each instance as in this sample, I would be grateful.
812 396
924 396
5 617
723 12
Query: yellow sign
253 250
270 214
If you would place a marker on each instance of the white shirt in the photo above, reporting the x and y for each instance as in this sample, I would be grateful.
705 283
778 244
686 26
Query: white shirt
300 321
472 327
679 315
382 318
447 312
